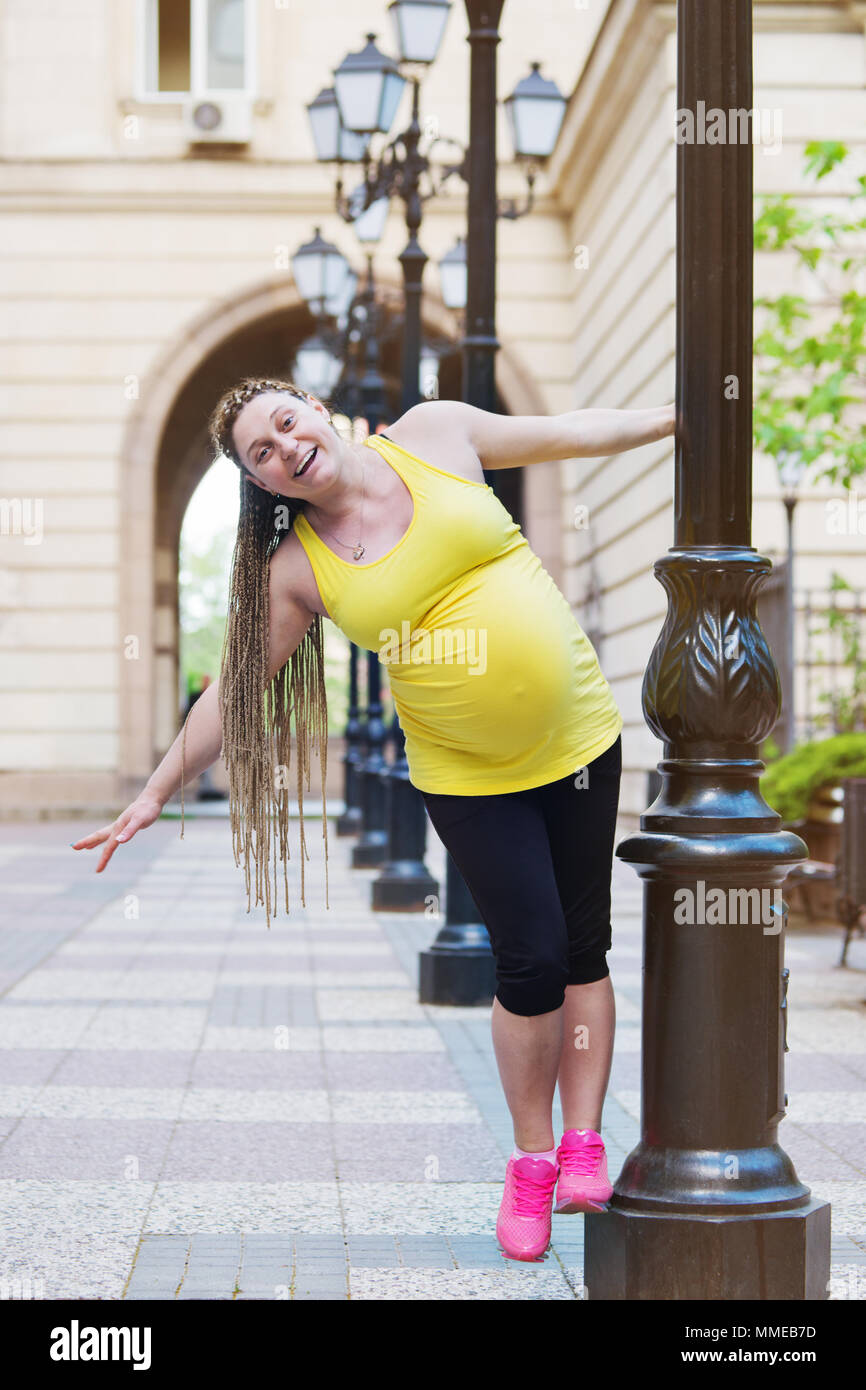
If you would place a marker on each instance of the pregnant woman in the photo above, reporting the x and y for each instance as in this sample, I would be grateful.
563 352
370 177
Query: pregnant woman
512 732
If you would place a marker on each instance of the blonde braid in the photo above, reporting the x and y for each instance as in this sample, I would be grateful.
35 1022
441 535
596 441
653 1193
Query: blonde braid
256 712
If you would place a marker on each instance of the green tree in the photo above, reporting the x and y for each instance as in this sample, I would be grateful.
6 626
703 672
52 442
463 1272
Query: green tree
806 381
203 583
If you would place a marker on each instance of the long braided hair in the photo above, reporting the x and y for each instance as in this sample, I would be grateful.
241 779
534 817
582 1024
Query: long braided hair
256 712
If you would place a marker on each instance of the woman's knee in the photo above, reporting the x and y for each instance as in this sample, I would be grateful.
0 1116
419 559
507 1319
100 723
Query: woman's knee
531 989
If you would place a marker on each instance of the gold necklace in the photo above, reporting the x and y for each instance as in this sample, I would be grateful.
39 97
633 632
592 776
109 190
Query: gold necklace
358 548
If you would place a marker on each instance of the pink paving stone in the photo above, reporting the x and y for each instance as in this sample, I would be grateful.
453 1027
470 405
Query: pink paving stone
90 1149
375 1071
267 1071
110 961
824 1071
417 1153
812 1158
124 1069
31 1067
222 1151
97 959
848 1141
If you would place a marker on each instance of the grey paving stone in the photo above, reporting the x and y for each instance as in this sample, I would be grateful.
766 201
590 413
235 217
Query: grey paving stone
206 1294
144 1296
320 1294
313 1241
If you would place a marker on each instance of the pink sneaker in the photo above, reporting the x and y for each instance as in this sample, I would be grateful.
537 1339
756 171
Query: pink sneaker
523 1224
583 1180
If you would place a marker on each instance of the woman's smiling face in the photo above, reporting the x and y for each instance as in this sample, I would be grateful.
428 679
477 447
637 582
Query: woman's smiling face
274 433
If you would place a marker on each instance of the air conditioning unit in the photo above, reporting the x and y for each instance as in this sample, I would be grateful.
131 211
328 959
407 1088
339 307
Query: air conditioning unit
218 121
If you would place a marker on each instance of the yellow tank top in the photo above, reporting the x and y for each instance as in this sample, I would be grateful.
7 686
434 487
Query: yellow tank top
495 684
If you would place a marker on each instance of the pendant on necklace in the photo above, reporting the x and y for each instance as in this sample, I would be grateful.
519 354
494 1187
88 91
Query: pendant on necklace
357 552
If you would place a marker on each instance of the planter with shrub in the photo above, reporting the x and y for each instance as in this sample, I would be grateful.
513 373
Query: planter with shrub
805 788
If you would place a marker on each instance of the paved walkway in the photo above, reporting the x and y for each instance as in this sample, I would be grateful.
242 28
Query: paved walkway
192 1107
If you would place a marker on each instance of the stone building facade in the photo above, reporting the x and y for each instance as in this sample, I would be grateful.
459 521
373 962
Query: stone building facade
141 273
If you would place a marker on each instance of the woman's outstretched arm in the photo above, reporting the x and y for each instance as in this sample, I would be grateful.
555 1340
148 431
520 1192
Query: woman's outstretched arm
510 441
289 621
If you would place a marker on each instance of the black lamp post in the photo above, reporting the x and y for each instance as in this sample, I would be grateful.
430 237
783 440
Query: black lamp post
349 823
458 967
364 99
708 1205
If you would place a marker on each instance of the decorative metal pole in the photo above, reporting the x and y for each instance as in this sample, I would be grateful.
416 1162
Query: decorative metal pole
708 1205
370 849
413 259
349 823
459 967
370 821
405 884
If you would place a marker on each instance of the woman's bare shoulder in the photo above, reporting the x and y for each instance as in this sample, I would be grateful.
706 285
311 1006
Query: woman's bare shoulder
437 431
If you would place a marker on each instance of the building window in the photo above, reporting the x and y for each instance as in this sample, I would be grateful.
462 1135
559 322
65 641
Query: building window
196 47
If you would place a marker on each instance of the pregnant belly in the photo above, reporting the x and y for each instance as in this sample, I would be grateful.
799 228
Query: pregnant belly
495 685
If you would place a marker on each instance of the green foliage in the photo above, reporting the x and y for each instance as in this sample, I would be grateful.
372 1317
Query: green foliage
203 589
789 784
805 383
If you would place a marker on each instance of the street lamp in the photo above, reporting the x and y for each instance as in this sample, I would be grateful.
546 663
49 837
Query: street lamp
368 86
708 1204
428 371
418 28
452 276
320 270
368 223
334 143
535 110
316 369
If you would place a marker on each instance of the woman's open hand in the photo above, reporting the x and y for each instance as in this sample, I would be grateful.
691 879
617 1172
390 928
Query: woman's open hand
142 812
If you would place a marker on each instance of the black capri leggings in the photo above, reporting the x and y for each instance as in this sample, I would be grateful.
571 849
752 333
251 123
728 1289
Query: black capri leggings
538 865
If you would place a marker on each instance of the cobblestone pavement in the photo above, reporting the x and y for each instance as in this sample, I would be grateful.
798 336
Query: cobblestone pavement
194 1107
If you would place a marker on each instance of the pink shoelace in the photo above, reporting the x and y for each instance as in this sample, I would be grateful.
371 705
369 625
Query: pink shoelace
531 1196
582 1161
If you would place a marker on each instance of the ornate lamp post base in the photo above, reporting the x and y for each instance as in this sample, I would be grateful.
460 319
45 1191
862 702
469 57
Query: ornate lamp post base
405 883
403 886
369 853
649 1255
349 823
708 1204
459 967
458 971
